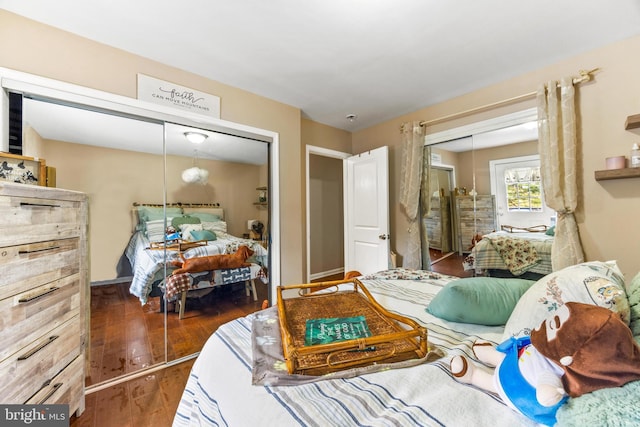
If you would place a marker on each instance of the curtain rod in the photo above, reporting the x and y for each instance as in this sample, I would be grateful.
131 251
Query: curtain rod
585 76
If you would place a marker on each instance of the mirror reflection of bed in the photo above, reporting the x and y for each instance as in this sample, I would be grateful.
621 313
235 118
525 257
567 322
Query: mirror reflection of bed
89 148
484 183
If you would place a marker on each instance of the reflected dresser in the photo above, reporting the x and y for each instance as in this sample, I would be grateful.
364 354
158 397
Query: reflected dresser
43 294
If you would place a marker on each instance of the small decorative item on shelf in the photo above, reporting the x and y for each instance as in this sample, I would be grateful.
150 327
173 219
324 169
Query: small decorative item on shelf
22 169
618 162
634 160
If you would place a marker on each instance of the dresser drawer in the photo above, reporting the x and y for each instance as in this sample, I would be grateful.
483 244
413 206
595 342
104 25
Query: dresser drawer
66 387
25 316
27 219
24 372
31 265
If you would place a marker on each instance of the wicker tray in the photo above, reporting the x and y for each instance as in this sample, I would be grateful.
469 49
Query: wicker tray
394 338
177 245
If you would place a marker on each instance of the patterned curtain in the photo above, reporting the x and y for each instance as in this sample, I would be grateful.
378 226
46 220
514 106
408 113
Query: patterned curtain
557 146
410 182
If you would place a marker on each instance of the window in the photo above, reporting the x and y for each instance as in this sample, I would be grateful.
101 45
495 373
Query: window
523 189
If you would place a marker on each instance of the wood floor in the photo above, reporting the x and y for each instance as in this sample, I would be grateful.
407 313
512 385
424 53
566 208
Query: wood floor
126 336
448 263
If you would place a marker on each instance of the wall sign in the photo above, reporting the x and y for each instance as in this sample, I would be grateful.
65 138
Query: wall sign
172 95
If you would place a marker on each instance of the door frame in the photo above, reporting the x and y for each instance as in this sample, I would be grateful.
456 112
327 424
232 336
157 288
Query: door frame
324 152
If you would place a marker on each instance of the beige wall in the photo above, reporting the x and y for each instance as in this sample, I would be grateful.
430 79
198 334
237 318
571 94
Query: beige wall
326 214
114 179
42 50
608 211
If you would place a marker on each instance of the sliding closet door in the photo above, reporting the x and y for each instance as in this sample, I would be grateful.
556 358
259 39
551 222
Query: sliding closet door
217 199
93 152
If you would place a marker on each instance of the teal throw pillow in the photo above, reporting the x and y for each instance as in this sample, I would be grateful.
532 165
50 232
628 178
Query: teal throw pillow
551 231
184 219
204 235
479 300
204 216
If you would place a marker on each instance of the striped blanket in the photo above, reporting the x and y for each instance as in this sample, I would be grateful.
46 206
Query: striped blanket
219 390
148 265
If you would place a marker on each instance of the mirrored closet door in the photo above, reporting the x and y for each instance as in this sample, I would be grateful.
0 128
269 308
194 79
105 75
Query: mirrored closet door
469 181
141 170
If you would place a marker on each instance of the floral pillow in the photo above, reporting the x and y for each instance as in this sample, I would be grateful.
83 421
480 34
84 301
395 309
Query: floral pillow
596 282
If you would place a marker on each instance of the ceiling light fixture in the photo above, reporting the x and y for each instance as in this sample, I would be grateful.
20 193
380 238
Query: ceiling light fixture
351 117
196 137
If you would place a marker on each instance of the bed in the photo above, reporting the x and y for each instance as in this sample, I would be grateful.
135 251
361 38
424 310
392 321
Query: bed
204 232
220 389
511 253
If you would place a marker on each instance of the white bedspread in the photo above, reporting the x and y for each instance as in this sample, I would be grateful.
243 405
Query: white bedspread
219 390
147 264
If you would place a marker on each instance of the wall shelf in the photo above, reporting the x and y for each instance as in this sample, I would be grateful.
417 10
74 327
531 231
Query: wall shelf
262 198
633 122
617 174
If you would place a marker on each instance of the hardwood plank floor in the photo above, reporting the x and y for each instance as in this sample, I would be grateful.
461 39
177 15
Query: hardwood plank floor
126 335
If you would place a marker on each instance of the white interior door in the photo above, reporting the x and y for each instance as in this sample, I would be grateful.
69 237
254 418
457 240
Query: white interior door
367 211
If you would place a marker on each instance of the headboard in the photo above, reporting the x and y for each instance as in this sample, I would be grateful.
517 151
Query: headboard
212 208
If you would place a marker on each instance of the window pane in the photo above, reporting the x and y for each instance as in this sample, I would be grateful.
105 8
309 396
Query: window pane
524 189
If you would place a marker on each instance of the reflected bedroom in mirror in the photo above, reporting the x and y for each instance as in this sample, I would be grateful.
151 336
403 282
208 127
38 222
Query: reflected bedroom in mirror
487 211
159 193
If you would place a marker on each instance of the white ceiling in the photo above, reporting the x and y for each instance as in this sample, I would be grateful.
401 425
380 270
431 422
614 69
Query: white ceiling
75 125
377 59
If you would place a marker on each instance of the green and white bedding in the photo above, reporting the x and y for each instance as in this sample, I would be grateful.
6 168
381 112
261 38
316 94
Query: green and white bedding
517 253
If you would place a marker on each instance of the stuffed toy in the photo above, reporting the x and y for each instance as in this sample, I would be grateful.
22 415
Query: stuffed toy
213 262
579 349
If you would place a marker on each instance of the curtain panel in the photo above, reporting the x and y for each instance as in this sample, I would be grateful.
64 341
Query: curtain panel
557 144
410 183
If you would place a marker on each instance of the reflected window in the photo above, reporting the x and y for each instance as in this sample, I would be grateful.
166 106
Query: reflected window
523 189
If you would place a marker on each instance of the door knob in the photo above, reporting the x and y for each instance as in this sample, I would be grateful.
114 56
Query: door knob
383 236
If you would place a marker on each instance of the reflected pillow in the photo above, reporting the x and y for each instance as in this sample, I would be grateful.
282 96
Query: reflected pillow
151 213
186 230
596 282
203 235
155 230
184 219
205 217
479 300
217 226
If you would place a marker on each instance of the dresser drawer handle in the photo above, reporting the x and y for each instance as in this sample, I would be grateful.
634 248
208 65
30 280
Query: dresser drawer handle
39 250
37 205
38 348
55 387
31 298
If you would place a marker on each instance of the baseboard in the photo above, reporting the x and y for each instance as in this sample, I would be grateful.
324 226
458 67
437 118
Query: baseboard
322 274
112 281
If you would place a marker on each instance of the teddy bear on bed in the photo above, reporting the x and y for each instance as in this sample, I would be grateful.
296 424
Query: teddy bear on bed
579 349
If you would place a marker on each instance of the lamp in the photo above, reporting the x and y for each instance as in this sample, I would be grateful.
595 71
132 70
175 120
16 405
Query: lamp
195 175
196 137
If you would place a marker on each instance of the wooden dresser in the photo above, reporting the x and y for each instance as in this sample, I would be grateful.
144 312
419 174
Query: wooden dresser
43 293
473 215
